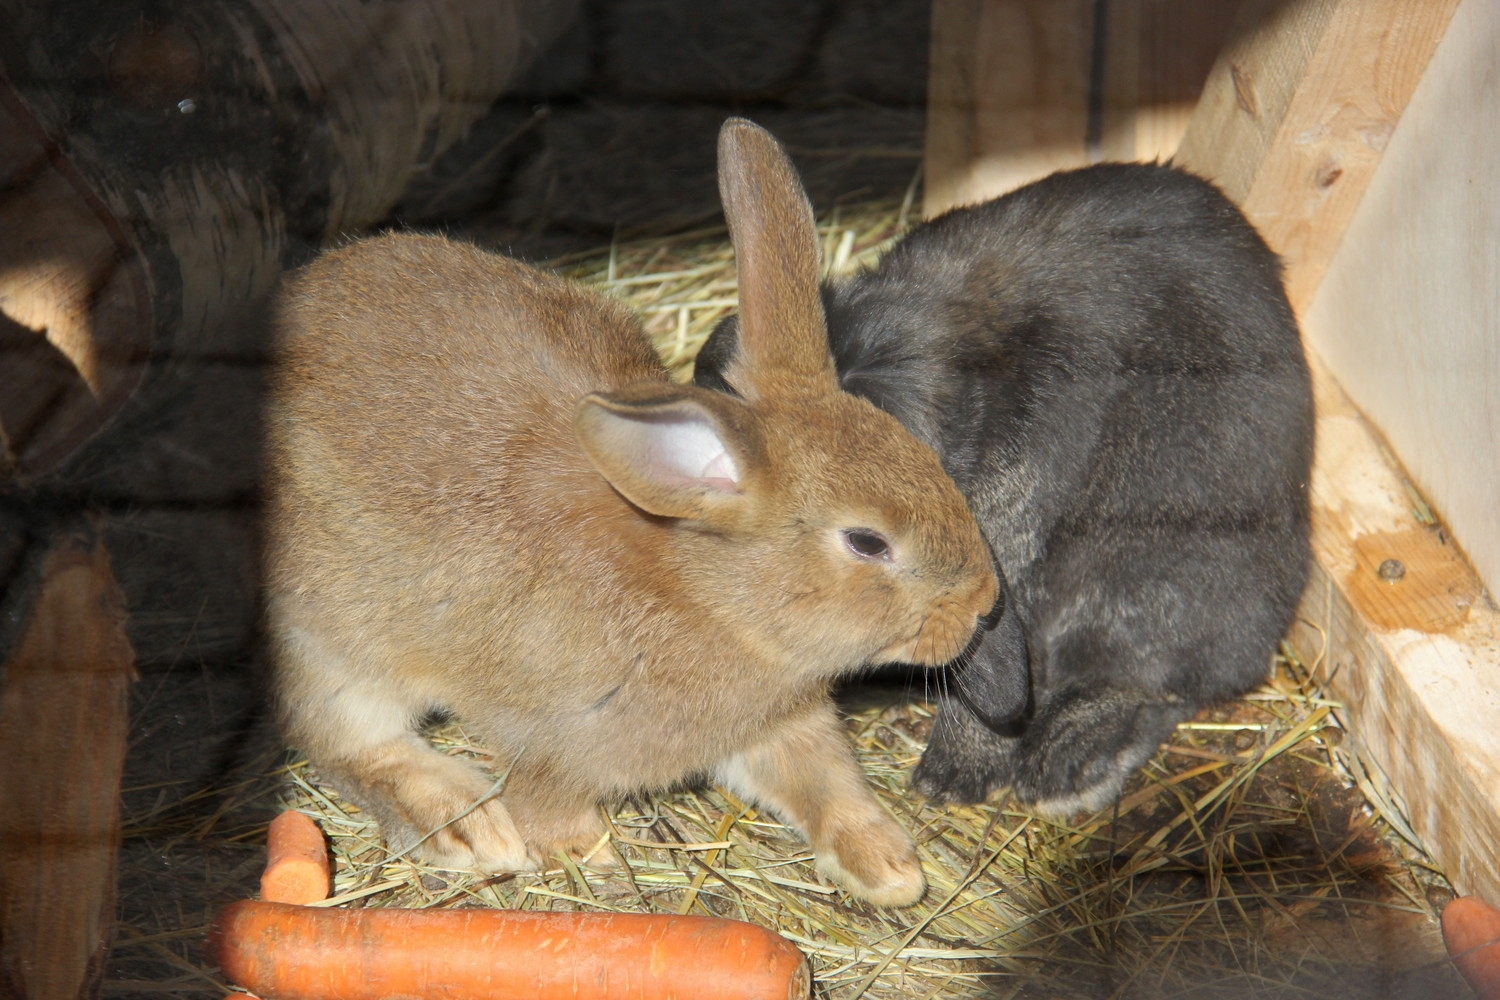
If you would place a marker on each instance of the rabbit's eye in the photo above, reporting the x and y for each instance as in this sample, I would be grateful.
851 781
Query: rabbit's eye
867 543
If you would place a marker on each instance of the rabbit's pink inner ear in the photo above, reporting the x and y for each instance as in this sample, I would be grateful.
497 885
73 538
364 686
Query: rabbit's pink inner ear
688 451
720 472
667 459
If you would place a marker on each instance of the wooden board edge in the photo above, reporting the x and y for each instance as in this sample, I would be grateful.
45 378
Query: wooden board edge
1407 648
64 730
1298 110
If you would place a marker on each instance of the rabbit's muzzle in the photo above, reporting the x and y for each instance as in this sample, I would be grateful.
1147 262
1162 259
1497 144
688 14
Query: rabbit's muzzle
949 627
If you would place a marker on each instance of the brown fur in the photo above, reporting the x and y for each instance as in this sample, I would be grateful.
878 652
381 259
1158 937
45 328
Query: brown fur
465 516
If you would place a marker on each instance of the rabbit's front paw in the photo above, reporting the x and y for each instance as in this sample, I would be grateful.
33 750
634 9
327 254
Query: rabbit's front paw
875 860
483 841
578 834
965 759
1083 746
445 812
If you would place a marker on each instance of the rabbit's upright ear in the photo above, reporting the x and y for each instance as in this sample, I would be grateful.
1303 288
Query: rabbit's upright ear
783 337
673 451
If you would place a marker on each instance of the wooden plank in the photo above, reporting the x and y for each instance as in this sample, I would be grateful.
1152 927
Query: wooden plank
75 310
64 721
1020 88
1413 653
1007 98
1298 110
1158 53
1250 89
1407 312
1293 123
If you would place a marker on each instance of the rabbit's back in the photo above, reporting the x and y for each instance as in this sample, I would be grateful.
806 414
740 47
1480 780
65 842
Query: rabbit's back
425 476
434 369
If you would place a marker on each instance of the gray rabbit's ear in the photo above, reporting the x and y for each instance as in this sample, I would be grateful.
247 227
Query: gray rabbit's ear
783 336
995 683
715 366
673 451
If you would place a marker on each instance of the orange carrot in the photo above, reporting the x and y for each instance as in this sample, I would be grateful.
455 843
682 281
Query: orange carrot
297 868
1471 930
291 952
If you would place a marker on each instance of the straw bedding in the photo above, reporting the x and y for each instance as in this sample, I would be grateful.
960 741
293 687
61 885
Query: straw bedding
1253 857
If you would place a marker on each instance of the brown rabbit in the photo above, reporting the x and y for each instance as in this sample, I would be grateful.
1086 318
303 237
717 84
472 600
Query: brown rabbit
487 498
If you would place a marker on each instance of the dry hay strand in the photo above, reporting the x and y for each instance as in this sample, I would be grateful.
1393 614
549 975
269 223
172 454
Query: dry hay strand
1254 856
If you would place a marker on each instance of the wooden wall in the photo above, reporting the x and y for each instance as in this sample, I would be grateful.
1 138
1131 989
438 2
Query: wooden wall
1408 317
1020 88
1408 312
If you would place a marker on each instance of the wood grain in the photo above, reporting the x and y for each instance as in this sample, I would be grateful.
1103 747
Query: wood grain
1012 94
64 721
1407 312
1415 660
1007 98
1158 53
1298 110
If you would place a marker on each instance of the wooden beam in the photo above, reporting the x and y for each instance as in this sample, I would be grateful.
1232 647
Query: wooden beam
1399 628
1408 312
1020 88
1157 55
64 721
1298 110
1007 98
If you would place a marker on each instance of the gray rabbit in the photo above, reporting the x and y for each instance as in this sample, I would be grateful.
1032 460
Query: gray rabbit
1107 363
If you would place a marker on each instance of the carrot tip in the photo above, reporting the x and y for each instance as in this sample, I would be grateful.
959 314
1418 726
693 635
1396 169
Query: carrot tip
1471 930
294 880
297 867
294 827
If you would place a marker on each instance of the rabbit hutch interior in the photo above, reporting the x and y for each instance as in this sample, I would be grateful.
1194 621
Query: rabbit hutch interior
1295 830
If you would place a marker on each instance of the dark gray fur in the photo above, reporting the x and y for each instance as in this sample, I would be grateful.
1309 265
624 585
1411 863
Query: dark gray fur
1108 366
